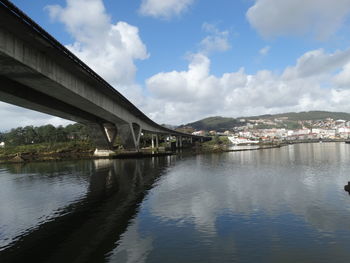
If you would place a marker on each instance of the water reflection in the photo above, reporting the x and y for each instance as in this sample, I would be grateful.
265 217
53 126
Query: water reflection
79 211
305 182
35 193
276 205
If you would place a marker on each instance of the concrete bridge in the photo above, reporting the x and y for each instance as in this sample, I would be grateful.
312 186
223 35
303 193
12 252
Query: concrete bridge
39 73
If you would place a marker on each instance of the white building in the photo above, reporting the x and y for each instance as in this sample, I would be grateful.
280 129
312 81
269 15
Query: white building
340 122
330 133
315 130
200 133
323 131
2 144
343 130
301 132
245 134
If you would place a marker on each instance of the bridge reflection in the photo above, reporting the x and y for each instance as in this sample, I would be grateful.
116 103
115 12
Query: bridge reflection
86 230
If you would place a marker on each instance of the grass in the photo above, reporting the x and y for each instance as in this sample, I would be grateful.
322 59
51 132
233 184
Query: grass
217 143
47 148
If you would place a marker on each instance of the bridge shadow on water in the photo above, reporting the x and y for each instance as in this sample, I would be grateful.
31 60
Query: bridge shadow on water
88 229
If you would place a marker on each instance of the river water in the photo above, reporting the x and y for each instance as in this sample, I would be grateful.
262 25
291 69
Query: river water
275 205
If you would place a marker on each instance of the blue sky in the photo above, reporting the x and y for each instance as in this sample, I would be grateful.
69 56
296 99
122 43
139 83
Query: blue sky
182 60
169 40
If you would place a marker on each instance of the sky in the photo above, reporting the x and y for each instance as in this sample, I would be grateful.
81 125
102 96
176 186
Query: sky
183 60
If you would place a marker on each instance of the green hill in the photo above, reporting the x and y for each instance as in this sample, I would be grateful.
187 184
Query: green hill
223 123
213 123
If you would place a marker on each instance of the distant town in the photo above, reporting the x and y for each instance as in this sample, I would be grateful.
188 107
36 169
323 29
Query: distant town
282 128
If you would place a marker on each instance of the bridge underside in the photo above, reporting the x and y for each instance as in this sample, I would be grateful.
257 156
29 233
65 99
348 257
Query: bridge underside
102 131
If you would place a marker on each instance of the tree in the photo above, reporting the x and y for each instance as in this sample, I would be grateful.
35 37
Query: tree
44 134
77 131
29 135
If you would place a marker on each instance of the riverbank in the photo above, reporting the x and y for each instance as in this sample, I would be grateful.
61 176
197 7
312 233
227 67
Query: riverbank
84 150
46 152
222 145
79 154
221 148
67 151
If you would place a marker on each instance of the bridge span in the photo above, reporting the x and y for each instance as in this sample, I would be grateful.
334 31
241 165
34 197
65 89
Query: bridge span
39 73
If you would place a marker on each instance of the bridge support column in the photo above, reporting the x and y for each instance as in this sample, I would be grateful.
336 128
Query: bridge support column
157 142
111 132
130 134
103 135
180 141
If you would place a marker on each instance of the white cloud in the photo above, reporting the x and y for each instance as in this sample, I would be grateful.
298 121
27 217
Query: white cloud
264 51
216 40
180 84
321 18
133 246
342 80
109 49
164 8
317 63
185 96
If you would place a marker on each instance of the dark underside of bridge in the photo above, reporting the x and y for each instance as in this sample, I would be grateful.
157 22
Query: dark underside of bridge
18 94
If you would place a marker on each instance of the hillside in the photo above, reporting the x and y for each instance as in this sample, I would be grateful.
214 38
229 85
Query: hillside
304 115
223 123
213 123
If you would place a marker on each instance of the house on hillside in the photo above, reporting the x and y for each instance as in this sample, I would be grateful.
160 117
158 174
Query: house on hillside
2 144
340 123
199 133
